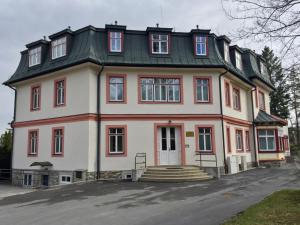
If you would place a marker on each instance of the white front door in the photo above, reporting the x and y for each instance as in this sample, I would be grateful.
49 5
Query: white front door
169 146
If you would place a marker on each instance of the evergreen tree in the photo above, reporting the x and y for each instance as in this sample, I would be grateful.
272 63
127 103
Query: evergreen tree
6 142
279 98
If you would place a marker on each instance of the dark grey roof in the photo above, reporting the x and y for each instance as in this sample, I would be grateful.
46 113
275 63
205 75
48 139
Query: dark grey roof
46 163
264 118
89 44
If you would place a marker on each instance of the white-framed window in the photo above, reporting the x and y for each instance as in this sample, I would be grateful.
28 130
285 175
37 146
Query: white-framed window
27 179
35 97
59 47
116 140
33 142
58 141
35 56
236 99
239 140
116 89
160 44
238 60
60 92
261 98
226 52
263 68
65 179
160 89
266 139
202 90
205 139
200 45
115 41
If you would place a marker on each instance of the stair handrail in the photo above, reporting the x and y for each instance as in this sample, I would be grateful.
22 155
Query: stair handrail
207 160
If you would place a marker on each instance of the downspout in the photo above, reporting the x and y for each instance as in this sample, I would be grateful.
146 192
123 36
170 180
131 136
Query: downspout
222 119
98 121
253 128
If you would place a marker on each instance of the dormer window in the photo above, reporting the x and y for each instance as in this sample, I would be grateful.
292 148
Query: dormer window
238 60
160 44
59 47
115 41
263 69
200 45
226 52
34 56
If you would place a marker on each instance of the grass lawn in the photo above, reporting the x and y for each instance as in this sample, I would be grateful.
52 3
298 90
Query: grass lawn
282 207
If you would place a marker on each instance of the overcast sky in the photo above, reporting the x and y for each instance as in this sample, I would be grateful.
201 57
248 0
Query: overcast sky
25 21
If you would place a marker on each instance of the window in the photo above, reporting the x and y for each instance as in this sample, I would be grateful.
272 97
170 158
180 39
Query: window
33 142
247 140
35 98
60 92
238 60
228 139
59 47
58 141
160 89
236 99
116 140
239 140
261 97
116 88
205 139
285 143
27 179
65 179
266 140
263 69
35 56
227 94
160 44
115 41
200 45
203 90
226 52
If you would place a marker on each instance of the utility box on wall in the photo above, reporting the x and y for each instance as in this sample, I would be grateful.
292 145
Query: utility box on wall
233 164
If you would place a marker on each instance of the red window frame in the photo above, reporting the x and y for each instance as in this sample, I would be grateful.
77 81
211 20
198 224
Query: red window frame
227 94
54 154
242 139
109 38
37 86
247 140
108 77
212 151
276 141
108 153
228 136
29 153
55 92
210 90
237 90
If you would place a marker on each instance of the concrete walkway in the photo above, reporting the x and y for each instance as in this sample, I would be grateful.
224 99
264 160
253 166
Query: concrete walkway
203 203
9 190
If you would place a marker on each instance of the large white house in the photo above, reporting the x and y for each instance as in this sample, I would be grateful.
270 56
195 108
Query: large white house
87 102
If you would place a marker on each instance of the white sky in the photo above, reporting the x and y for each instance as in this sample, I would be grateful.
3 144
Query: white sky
25 21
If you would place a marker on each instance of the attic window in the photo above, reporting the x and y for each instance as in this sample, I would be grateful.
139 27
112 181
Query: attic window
226 52
59 47
115 41
35 56
200 45
238 60
263 69
159 44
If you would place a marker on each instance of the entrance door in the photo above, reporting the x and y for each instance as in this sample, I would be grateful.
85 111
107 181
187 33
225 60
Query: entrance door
169 145
45 180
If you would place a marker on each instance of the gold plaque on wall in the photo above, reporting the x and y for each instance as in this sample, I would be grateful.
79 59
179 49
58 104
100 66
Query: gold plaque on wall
189 134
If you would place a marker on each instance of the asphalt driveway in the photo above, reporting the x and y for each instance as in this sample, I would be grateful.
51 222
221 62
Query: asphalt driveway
202 203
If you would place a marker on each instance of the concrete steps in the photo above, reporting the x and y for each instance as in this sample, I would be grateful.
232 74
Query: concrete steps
174 174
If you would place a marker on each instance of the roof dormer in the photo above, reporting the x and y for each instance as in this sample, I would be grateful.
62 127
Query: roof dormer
236 56
159 40
200 41
223 44
36 52
115 38
61 43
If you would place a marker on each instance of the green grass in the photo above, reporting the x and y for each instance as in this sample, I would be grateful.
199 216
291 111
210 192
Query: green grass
282 207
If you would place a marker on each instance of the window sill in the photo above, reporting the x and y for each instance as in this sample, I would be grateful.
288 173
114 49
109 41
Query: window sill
270 151
199 102
57 155
58 106
116 102
32 155
152 102
205 153
116 154
33 110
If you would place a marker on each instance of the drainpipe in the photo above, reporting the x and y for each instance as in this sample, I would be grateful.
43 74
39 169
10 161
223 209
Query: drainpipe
98 121
222 119
253 128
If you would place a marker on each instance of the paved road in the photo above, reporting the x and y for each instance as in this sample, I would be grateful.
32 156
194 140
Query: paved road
205 203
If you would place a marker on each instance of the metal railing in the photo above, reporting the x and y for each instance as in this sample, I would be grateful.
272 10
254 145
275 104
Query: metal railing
138 161
201 160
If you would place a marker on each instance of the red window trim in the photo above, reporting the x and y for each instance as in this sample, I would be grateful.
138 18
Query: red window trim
31 97
195 47
181 101
29 154
227 93
108 42
210 90
285 142
256 98
264 105
150 44
123 154
108 76
239 94
276 141
247 141
53 142
228 136
242 134
213 145
55 92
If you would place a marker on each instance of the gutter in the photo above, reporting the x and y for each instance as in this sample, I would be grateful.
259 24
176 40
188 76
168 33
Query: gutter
222 119
98 150
253 128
